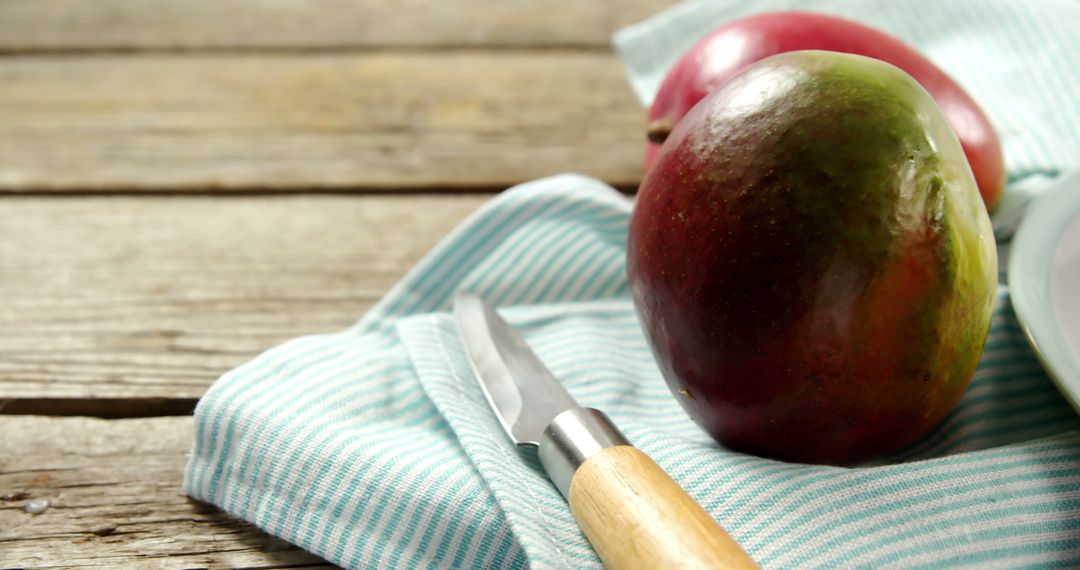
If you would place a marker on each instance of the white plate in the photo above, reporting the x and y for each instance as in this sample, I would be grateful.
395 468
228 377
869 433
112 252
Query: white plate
1044 282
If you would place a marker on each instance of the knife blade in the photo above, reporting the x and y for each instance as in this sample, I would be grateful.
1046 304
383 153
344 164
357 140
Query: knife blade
631 511
510 374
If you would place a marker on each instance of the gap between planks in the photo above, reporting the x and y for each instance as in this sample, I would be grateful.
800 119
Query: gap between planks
124 475
133 306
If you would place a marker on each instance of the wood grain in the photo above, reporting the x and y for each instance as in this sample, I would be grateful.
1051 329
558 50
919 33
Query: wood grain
52 25
116 501
374 122
127 304
637 517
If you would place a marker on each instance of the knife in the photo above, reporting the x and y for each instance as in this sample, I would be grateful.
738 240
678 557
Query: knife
631 511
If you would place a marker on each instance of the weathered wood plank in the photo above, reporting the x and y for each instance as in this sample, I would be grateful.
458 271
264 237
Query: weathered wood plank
328 121
43 25
112 301
116 502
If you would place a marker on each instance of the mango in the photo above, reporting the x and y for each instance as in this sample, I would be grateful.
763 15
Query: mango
812 262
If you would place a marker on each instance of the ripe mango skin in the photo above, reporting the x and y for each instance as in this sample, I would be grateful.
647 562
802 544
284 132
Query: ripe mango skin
811 260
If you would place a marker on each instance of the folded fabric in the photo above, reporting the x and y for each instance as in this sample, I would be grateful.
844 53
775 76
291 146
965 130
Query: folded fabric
374 448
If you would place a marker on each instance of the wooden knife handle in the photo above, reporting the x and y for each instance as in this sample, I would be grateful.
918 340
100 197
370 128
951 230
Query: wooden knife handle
636 516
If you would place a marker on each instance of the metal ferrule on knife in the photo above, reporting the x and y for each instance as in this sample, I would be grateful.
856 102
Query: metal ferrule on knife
571 439
633 513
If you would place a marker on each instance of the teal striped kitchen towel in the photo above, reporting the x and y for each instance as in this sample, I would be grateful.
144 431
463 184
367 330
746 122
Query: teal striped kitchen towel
373 447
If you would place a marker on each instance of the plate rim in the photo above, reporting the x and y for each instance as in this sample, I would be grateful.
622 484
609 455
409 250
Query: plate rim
1029 274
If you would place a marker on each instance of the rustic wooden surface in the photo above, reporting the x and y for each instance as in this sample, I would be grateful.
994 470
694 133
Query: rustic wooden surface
185 183
375 121
139 25
124 305
114 501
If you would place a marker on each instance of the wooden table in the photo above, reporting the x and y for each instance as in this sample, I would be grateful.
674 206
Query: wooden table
185 183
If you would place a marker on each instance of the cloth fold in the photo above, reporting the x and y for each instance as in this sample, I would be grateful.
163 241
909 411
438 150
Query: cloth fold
373 447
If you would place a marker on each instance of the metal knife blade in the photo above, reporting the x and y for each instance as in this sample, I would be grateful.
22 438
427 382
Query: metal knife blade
525 395
632 512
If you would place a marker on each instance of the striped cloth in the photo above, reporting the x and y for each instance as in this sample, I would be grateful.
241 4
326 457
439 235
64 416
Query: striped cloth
374 448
